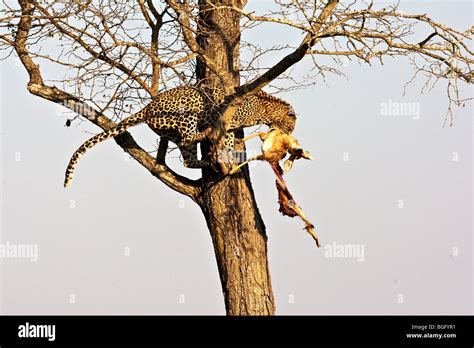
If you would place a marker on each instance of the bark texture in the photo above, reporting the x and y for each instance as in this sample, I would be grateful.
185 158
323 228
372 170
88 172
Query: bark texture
228 202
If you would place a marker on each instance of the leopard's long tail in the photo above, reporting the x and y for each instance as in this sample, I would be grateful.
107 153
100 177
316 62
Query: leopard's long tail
121 127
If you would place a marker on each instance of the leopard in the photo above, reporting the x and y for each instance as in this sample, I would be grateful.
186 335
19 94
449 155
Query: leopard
186 115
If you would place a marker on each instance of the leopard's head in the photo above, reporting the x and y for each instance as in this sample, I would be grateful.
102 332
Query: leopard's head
285 119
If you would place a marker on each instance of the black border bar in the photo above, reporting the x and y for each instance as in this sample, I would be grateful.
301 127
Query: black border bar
288 330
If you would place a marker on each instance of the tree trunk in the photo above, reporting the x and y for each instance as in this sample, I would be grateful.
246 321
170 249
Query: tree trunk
228 203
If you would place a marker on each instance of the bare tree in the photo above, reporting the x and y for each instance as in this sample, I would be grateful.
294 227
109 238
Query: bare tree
115 57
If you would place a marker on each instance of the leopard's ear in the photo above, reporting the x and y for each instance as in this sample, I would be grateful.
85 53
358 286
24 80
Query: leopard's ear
307 155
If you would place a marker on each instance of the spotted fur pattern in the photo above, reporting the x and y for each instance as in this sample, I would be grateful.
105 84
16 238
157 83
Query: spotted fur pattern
186 115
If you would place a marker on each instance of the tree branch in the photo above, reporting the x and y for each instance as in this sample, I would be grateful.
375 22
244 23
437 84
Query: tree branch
284 64
37 87
181 11
232 101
